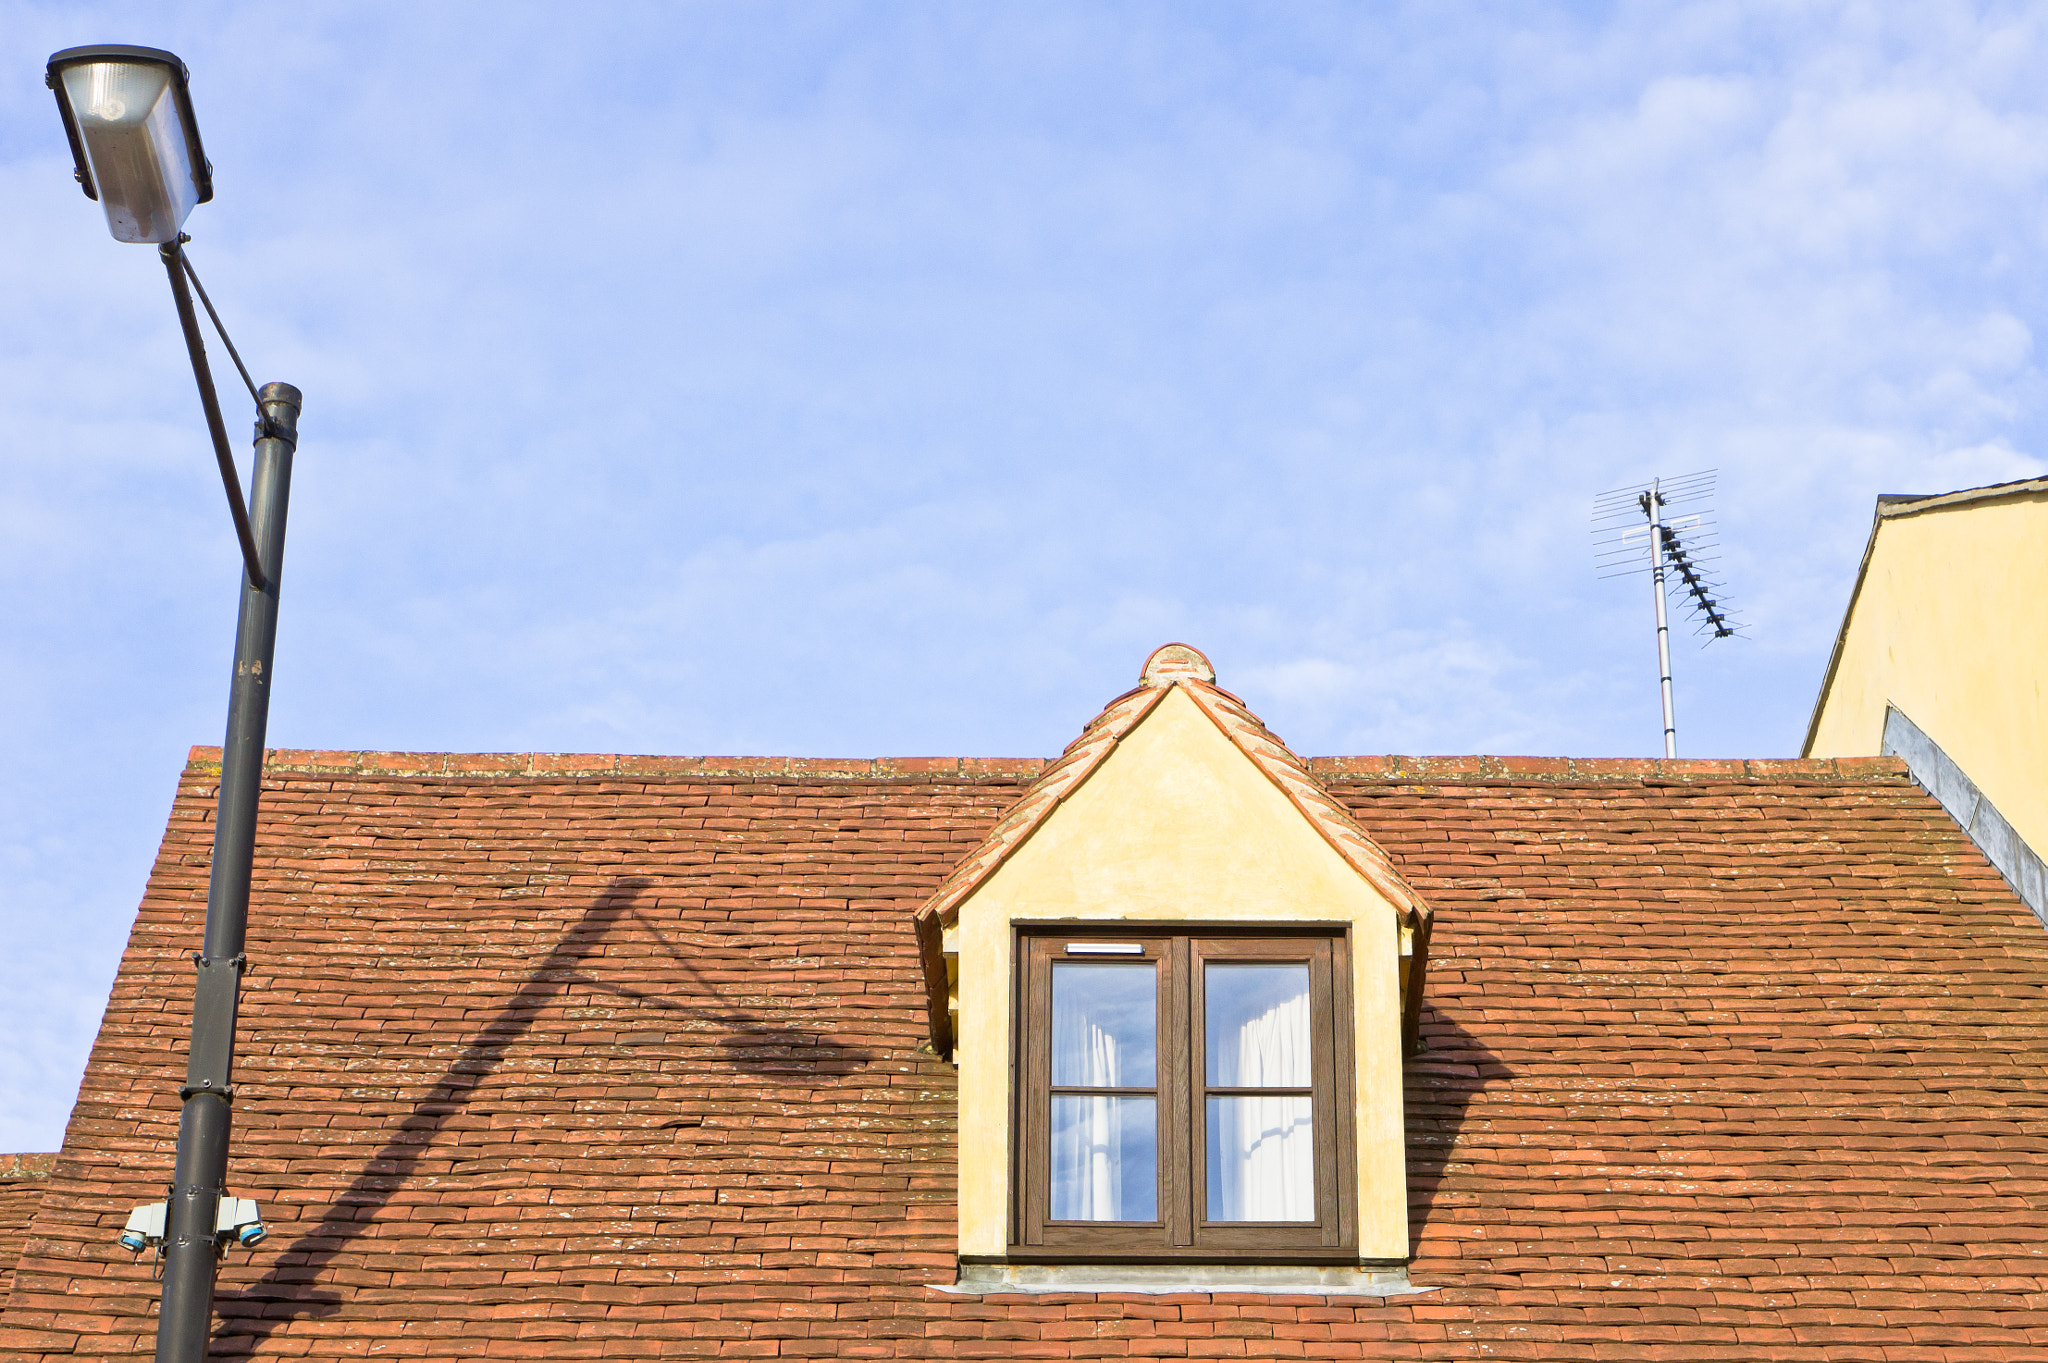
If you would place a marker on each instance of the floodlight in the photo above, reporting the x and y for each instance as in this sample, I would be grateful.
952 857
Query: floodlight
133 138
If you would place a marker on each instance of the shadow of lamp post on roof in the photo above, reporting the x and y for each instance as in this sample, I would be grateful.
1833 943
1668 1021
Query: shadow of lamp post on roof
128 114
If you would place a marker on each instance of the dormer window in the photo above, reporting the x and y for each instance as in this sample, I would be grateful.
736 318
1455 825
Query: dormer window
1176 978
1183 1094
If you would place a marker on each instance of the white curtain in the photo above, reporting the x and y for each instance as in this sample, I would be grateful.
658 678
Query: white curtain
1262 1149
1104 1161
1084 1052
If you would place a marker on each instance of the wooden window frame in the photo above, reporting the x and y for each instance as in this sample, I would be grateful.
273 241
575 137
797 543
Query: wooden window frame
1179 951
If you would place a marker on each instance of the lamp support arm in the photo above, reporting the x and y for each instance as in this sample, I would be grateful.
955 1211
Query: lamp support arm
174 263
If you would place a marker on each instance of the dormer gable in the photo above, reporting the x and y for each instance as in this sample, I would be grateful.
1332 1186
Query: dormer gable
1177 821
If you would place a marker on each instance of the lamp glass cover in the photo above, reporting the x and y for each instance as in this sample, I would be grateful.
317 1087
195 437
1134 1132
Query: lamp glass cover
135 139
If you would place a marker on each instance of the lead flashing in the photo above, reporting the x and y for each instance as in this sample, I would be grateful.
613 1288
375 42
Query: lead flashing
1952 788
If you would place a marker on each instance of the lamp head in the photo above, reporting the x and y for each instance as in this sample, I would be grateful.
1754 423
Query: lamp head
133 138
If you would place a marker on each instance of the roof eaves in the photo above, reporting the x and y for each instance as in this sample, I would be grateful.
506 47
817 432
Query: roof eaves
1059 780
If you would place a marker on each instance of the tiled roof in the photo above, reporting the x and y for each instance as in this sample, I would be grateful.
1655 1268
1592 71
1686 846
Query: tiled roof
22 1182
1726 1062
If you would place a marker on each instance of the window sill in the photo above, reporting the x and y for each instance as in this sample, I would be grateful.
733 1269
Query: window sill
1316 1280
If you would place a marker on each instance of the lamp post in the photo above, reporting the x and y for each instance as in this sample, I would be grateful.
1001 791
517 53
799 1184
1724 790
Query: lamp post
128 115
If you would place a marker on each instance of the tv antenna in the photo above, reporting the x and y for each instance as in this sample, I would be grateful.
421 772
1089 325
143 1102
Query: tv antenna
1681 544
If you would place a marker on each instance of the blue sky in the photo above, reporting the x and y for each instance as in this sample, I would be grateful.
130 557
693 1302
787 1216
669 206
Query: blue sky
851 379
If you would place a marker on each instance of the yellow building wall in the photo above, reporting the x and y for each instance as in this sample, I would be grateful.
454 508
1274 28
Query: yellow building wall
1178 825
1951 626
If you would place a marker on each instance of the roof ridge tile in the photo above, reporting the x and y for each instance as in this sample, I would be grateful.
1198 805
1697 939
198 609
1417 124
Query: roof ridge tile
1387 766
1519 769
206 759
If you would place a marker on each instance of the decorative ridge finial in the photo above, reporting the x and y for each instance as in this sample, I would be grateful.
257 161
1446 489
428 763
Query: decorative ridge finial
1177 662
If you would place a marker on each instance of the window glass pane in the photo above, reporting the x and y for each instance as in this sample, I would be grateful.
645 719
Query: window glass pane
1105 1158
1262 1164
1105 1024
1257 1025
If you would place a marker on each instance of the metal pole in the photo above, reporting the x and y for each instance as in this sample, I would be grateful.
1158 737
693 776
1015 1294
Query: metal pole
191 1247
1653 507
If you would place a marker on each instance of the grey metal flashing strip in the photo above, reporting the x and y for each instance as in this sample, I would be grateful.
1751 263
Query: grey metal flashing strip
1895 504
2001 845
1296 1280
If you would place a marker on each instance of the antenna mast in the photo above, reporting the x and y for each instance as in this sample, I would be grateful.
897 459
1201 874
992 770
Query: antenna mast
1616 531
1653 506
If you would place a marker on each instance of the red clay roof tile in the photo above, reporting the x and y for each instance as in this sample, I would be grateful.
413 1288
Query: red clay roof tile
23 1180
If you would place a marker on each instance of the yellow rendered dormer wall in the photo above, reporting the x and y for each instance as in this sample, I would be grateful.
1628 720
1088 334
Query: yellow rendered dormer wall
1176 825
1948 621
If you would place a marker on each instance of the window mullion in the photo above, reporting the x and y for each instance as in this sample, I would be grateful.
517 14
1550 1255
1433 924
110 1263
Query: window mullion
1329 1180
1176 1078
1033 1160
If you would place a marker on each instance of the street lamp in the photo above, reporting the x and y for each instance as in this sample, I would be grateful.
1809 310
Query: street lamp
128 115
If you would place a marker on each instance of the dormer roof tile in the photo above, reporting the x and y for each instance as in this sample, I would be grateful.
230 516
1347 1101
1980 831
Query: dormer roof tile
1184 667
